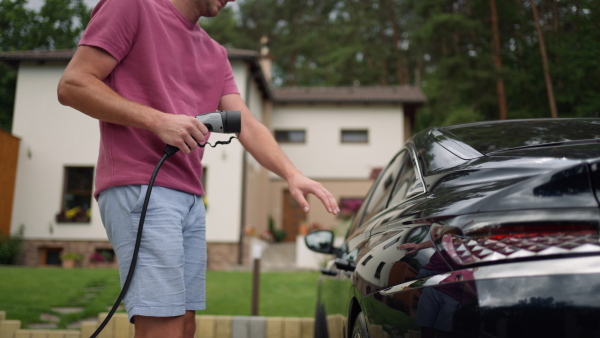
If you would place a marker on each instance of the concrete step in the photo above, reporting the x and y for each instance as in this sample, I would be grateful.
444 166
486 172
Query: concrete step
279 256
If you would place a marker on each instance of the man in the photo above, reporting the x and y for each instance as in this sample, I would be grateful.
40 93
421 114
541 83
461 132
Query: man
144 68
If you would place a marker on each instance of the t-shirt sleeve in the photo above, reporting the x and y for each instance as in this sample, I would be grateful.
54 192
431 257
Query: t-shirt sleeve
113 27
229 86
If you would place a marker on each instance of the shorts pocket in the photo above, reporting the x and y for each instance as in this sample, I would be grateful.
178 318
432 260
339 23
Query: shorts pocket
137 207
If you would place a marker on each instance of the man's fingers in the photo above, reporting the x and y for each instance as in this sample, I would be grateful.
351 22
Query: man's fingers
327 199
321 193
299 197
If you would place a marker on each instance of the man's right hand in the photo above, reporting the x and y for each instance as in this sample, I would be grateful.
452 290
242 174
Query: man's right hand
181 131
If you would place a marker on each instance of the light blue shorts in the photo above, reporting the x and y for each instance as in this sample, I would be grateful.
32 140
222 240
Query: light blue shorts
170 275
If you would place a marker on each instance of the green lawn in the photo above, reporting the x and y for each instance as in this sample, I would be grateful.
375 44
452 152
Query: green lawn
25 293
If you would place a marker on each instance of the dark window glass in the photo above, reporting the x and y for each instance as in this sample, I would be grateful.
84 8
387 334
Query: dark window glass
77 194
355 136
290 136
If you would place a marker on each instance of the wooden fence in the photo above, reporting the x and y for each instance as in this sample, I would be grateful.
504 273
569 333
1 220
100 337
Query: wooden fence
206 327
9 152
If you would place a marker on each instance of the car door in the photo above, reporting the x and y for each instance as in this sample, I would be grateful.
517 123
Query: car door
382 261
336 291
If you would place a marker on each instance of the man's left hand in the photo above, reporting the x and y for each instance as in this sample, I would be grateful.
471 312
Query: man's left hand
300 186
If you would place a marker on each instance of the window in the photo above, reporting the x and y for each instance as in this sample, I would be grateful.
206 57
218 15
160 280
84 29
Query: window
77 194
407 185
380 191
50 256
355 136
290 136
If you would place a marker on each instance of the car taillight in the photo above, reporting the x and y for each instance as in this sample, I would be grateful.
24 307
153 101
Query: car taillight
510 242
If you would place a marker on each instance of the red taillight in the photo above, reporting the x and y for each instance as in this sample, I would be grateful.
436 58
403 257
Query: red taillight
505 243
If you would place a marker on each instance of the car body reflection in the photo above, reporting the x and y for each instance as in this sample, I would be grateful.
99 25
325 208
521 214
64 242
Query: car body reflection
471 232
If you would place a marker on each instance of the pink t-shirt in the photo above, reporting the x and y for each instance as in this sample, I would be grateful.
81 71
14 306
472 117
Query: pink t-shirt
165 62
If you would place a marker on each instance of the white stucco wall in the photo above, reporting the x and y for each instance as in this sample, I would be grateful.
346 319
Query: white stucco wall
224 169
54 136
323 156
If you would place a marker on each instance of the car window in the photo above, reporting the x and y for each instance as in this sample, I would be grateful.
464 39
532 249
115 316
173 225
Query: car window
407 185
380 194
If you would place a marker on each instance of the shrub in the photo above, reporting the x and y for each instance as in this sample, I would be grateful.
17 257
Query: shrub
278 234
10 246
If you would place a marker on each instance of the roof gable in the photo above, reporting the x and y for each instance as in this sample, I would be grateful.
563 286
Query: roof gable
354 94
374 94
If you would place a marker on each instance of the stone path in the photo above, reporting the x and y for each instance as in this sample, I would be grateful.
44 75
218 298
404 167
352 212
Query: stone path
51 320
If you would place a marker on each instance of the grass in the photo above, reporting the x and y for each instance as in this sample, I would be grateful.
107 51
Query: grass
26 293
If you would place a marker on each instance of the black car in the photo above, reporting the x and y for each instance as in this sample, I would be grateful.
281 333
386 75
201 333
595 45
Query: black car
478 230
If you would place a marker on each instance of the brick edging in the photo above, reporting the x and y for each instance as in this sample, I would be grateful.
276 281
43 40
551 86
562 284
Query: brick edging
206 327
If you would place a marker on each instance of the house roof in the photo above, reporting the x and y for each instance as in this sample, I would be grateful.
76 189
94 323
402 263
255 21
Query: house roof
14 59
307 95
376 94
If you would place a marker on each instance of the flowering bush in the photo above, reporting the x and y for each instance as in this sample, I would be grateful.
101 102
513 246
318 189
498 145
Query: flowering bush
70 256
96 257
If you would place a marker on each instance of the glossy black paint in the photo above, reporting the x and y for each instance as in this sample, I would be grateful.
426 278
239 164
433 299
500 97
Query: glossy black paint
506 219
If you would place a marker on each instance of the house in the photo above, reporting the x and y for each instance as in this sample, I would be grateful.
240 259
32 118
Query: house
337 136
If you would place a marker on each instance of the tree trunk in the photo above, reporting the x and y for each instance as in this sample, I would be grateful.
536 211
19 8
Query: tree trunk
396 42
498 62
547 79
555 15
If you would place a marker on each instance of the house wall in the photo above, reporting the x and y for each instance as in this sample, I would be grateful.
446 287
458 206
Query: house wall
240 193
323 156
343 168
54 136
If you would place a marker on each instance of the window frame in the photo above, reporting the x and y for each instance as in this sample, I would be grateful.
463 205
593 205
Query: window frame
356 130
289 140
83 194
364 208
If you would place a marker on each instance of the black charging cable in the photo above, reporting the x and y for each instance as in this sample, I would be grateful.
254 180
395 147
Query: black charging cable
169 151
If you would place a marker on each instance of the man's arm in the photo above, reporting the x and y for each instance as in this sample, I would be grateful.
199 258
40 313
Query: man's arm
257 139
81 87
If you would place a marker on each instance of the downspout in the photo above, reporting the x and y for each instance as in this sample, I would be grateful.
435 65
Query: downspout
243 194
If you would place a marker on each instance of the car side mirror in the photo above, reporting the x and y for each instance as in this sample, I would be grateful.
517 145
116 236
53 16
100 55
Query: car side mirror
321 241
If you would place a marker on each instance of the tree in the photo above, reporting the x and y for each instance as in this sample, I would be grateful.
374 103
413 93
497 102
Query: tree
498 61
58 25
547 78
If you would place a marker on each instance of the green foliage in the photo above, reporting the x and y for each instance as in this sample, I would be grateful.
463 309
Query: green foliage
278 234
28 292
444 47
10 246
57 25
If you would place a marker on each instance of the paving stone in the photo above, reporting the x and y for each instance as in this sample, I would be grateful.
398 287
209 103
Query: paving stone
46 317
65 310
42 326
77 324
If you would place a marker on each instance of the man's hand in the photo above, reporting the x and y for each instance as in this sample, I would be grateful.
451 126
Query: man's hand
181 131
259 142
300 186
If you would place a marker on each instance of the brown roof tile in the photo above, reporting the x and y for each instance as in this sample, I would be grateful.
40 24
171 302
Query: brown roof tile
376 94
390 94
13 58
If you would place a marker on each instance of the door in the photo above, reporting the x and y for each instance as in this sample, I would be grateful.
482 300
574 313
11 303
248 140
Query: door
293 216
